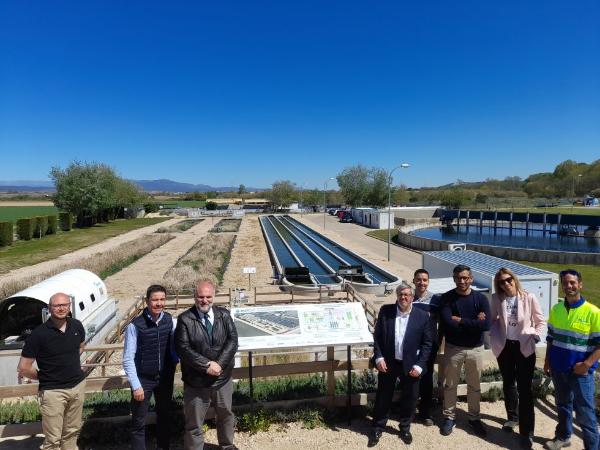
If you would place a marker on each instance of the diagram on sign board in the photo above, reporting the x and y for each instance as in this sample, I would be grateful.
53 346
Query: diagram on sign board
270 327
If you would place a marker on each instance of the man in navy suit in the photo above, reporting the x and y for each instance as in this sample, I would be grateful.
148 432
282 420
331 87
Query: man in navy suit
403 340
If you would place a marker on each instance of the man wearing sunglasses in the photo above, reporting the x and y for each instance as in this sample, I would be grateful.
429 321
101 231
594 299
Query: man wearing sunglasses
571 359
56 346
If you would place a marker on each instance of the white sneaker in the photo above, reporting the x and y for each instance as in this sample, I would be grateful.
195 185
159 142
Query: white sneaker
509 425
557 443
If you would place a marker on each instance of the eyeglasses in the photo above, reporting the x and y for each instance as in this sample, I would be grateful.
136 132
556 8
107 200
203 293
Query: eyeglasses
62 305
508 280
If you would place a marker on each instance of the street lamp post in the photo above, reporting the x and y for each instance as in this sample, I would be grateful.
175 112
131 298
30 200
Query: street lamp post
325 200
573 189
389 240
301 202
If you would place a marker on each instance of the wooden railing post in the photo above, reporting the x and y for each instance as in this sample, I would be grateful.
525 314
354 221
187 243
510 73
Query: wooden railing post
331 376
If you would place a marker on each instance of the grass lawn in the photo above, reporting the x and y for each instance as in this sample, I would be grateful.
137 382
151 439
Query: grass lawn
26 253
182 203
12 213
590 274
382 235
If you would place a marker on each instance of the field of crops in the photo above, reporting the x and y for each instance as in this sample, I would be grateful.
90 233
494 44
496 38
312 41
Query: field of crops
181 203
12 213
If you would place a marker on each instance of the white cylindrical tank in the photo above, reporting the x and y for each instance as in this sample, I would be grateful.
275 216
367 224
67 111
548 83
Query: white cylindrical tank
23 310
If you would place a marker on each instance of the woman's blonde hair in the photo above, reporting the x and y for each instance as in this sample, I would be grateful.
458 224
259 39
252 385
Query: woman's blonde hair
498 287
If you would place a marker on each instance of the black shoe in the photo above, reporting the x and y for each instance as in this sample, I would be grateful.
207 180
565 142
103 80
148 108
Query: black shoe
374 438
478 427
426 420
526 441
406 437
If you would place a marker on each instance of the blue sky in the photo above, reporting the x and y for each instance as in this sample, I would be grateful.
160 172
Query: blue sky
224 93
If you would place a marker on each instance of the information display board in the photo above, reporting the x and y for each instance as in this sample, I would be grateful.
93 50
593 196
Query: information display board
269 327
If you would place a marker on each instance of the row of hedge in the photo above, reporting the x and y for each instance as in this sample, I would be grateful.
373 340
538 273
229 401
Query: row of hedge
35 227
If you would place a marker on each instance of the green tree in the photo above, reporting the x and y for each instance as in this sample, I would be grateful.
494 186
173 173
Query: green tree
401 196
86 190
312 197
282 193
210 206
354 185
241 189
127 194
378 187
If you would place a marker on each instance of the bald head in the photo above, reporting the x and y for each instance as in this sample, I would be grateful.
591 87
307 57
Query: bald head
59 296
59 306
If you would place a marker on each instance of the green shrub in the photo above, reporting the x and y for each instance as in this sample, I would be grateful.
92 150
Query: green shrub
6 233
66 221
254 422
41 226
25 228
52 224
151 207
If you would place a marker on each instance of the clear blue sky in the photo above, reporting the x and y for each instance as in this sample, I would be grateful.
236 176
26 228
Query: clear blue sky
223 93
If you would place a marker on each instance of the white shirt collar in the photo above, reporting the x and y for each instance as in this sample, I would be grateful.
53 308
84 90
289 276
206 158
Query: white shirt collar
211 314
403 314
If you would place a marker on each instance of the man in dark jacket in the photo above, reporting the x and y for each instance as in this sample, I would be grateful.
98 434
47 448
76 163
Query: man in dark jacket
206 341
465 316
402 341
149 361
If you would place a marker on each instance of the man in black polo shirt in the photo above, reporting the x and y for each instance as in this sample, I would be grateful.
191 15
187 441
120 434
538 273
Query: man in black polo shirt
464 315
56 346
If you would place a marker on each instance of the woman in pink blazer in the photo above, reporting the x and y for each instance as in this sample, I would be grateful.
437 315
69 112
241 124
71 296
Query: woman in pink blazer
517 324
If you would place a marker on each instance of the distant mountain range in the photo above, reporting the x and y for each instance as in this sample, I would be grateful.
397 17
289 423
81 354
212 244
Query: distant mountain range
146 185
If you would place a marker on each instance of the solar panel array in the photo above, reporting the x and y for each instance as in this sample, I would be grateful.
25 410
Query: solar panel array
486 264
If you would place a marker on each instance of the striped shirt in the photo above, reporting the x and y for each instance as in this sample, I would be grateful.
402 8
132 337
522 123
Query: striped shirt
574 331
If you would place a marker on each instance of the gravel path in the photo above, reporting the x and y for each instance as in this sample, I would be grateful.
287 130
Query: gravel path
250 250
342 436
131 282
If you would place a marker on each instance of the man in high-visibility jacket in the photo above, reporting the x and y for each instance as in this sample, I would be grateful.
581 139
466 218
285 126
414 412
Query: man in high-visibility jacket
571 359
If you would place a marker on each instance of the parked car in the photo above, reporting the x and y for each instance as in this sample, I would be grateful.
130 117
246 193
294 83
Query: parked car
346 218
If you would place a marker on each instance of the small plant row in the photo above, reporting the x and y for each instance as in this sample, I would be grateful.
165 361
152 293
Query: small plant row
299 387
179 227
226 226
34 227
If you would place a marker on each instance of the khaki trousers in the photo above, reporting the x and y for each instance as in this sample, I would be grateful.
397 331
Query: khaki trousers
454 359
61 416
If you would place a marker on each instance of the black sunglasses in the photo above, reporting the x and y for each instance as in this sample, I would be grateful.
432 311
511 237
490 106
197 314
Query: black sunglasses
508 280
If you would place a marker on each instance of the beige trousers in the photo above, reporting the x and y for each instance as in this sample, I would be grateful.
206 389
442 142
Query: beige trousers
454 359
61 416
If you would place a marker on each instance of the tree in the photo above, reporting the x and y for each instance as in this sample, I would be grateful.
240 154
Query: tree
400 195
128 194
86 190
312 197
354 184
282 193
241 189
378 187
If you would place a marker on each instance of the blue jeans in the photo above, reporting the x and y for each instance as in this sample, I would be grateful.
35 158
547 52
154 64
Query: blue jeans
576 391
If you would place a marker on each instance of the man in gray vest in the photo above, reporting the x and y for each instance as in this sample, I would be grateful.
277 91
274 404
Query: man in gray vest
149 361
206 341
